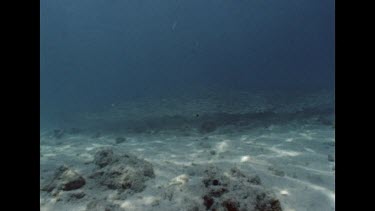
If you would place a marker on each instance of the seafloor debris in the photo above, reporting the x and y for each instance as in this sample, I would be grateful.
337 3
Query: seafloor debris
220 190
121 172
64 179
236 191
120 140
125 174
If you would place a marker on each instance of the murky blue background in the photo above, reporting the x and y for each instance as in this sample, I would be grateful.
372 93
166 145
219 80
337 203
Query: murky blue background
98 52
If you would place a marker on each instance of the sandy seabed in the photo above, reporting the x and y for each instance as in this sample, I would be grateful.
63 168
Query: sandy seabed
293 156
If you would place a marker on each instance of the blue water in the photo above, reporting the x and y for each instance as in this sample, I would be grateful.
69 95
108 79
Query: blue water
97 52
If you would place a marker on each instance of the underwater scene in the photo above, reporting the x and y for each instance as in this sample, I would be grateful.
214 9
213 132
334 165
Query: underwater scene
169 105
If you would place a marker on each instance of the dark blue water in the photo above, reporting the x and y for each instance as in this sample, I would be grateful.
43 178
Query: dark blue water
97 52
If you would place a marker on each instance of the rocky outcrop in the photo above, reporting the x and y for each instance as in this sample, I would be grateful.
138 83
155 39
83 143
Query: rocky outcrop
230 190
121 172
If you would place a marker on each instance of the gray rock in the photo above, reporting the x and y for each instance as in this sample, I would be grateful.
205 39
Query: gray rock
213 152
104 157
125 172
75 195
236 191
78 195
64 179
277 172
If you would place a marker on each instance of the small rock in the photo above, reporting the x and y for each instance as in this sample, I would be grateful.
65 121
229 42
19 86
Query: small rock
120 140
208 201
277 172
156 202
76 195
331 158
65 179
231 205
121 172
213 152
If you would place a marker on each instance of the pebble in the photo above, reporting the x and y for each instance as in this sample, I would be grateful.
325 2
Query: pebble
331 158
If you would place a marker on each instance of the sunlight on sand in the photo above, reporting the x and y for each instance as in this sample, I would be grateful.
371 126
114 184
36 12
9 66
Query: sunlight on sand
283 153
49 155
325 191
245 159
101 145
244 138
86 156
308 136
127 205
309 150
314 170
222 146
89 148
289 140
64 147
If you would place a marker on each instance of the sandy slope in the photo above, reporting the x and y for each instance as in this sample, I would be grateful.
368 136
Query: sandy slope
294 159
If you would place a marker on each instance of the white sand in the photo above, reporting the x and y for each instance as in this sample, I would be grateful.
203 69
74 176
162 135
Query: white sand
291 160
